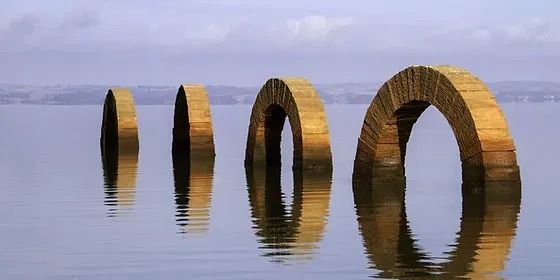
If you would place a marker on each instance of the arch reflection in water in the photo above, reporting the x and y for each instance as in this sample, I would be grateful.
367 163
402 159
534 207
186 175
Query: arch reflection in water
193 178
119 171
288 234
488 225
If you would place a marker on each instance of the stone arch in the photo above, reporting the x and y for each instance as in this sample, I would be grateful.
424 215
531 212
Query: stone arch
289 232
487 228
296 99
119 131
192 122
486 148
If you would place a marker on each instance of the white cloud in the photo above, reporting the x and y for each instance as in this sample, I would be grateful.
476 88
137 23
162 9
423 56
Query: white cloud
317 27
482 35
81 20
210 34
536 30
248 34
535 35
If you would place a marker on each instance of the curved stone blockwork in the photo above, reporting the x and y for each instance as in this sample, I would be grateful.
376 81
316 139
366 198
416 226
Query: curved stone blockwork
481 248
119 132
486 148
297 99
192 122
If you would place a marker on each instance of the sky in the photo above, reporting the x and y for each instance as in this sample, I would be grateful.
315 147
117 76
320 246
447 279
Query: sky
235 42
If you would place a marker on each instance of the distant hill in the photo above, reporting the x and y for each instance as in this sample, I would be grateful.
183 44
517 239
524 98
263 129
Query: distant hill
340 93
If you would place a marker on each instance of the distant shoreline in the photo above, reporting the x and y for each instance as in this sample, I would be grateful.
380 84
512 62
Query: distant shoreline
222 104
343 93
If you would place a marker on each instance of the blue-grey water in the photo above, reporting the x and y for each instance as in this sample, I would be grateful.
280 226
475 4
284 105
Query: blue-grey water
62 216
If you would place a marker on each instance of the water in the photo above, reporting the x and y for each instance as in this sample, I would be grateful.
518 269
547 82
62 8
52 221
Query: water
64 214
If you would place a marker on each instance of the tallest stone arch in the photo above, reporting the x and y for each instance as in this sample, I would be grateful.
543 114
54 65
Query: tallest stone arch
486 148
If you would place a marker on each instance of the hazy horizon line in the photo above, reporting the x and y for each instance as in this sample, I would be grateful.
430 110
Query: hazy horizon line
245 86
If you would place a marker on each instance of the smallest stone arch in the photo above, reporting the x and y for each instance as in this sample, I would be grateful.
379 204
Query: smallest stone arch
193 135
296 99
119 131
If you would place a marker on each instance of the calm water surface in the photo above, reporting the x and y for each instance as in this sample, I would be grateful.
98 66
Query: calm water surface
67 213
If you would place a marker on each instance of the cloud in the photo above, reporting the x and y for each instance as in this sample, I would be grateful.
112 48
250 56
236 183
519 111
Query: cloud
317 27
19 33
535 30
209 34
247 34
81 20
535 35
21 27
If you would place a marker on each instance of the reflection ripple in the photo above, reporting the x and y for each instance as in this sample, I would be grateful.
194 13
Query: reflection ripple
286 234
482 245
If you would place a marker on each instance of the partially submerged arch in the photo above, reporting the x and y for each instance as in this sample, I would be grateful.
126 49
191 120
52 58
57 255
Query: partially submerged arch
296 99
119 131
486 148
192 122
119 149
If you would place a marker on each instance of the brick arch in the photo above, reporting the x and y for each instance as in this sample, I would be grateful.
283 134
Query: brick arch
192 123
296 99
482 245
486 148
119 131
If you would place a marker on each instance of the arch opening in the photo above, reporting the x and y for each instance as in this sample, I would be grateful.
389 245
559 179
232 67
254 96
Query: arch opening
181 125
275 118
109 127
433 173
486 148
432 141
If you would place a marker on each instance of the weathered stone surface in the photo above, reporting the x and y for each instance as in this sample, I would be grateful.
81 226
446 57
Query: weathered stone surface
192 122
487 226
294 233
296 99
119 131
485 145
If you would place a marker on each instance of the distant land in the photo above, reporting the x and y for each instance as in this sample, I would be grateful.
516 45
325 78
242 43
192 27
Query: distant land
340 93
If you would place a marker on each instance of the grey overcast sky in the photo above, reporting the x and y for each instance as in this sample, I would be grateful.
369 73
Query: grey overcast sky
129 42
